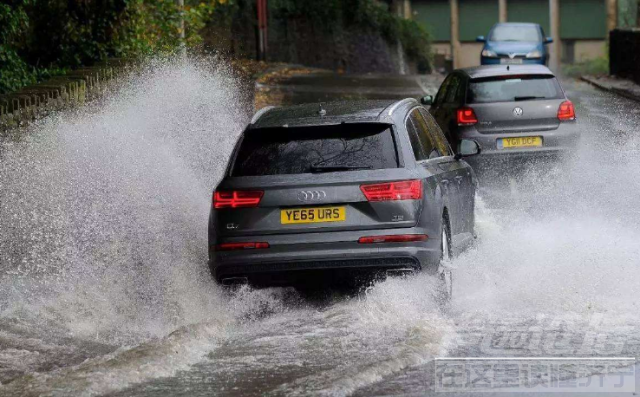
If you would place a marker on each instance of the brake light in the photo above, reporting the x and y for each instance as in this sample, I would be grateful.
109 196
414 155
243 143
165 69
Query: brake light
240 246
237 199
402 190
466 116
396 238
566 111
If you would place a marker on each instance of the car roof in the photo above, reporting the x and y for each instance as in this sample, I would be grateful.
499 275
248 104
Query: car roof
516 24
504 70
309 114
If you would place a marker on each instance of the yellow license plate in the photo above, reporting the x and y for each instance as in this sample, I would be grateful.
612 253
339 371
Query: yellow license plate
522 141
313 215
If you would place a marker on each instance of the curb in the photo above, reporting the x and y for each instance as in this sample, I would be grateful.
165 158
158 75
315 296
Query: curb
603 87
69 90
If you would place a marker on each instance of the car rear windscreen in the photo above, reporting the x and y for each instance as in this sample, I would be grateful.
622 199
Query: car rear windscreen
299 150
514 88
515 33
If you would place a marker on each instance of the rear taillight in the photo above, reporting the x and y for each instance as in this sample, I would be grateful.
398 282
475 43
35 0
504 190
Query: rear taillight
466 116
237 199
241 246
402 190
394 238
566 111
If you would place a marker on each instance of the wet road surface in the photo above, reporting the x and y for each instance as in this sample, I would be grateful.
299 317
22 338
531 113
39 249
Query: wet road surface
104 288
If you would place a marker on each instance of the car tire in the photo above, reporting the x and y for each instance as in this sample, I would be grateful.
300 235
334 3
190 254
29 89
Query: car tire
444 274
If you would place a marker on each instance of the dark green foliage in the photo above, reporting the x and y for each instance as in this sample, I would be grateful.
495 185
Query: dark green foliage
14 71
40 38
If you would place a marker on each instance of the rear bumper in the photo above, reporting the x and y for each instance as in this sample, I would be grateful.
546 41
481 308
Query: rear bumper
557 142
525 61
283 263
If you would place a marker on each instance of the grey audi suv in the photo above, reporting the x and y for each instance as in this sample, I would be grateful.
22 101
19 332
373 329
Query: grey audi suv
512 112
320 193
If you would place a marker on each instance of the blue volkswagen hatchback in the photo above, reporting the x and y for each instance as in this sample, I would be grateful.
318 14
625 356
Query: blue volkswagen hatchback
515 44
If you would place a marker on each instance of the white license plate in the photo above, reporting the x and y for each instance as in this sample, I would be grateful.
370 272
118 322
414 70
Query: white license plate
509 61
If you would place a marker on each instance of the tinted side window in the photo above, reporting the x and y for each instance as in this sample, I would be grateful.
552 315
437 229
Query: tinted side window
422 130
416 145
452 90
442 92
436 134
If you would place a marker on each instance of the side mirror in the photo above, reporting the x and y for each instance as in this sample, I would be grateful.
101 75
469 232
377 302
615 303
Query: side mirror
481 39
467 148
426 100
548 40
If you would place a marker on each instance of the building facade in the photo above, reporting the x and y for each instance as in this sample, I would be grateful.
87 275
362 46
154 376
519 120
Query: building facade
579 27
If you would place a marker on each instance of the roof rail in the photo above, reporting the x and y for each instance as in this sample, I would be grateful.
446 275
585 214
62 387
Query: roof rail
260 113
396 105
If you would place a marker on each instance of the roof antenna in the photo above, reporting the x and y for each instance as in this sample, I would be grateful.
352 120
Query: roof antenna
322 112
507 67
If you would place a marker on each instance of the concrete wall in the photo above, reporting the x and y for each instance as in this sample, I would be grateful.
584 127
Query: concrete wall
349 50
470 54
586 50
297 41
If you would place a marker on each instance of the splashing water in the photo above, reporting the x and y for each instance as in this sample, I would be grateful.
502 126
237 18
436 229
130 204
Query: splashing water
103 213
103 241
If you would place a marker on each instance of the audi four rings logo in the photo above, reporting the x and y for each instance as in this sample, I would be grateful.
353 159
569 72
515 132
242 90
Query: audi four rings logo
517 112
309 195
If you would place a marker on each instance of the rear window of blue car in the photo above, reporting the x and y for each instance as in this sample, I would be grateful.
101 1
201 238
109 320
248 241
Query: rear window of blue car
515 33
299 150
514 88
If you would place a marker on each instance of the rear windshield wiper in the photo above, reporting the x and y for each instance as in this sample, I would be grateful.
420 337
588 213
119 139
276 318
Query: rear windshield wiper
331 168
526 98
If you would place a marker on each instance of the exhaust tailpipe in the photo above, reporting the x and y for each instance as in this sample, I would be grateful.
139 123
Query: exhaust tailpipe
400 272
228 281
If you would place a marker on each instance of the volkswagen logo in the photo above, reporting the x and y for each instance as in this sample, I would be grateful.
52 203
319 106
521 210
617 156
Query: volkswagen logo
311 195
517 112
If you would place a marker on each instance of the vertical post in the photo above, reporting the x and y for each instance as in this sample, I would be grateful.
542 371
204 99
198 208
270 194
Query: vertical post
455 38
407 9
556 46
183 44
502 10
612 15
261 6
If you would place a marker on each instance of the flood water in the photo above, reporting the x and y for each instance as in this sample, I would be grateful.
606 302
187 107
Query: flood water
104 287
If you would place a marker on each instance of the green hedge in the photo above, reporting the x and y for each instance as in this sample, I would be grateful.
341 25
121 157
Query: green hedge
40 38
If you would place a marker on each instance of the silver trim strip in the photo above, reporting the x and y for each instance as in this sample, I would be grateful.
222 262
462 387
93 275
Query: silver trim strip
399 103
260 113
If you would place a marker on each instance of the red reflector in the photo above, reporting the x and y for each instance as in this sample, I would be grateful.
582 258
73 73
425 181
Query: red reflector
237 199
240 246
402 190
466 116
396 238
566 111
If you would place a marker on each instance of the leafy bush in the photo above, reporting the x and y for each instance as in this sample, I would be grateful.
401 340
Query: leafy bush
14 71
40 38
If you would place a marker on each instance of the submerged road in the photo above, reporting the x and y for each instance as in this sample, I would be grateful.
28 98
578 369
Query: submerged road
104 289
